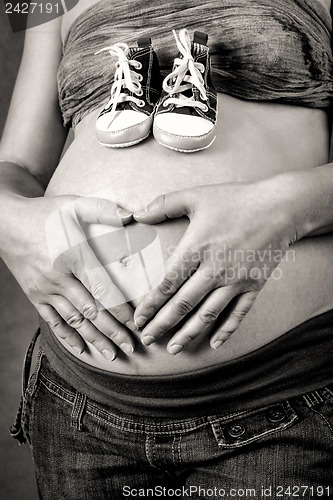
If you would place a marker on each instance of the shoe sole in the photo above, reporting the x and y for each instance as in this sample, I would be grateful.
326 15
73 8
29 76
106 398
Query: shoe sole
124 144
187 150
160 135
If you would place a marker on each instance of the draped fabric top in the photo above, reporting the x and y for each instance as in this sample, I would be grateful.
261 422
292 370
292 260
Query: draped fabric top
261 50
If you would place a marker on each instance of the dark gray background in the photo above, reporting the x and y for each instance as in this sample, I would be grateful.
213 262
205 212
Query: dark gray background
18 318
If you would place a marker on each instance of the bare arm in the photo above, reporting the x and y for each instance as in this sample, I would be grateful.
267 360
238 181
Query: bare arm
79 302
34 135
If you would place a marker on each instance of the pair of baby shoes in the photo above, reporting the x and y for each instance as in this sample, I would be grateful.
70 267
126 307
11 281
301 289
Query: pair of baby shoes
181 109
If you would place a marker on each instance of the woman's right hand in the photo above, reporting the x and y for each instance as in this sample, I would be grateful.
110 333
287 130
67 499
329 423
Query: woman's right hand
47 251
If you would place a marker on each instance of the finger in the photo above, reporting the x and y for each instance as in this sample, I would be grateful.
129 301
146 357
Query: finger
106 345
87 268
202 320
115 331
125 215
238 312
179 267
167 206
181 304
75 291
103 321
101 210
60 328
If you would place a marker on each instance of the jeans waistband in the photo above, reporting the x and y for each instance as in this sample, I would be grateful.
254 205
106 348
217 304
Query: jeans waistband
295 363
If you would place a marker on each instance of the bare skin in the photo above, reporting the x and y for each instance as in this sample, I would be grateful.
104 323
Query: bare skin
226 161
254 142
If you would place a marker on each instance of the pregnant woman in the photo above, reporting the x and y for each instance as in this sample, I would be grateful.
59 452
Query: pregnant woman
151 375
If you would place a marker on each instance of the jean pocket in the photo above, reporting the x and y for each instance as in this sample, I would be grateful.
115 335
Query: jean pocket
234 431
29 398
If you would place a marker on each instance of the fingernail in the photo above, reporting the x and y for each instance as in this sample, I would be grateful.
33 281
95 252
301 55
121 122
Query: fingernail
217 344
140 321
148 340
175 348
109 355
122 212
132 326
127 348
141 212
76 349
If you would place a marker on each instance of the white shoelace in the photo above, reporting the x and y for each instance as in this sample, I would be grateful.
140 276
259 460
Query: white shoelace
186 74
124 78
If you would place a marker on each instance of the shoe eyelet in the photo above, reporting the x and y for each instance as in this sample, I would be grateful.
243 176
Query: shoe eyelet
141 104
139 93
205 109
139 65
140 77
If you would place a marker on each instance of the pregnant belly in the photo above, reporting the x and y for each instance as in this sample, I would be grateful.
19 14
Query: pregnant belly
254 141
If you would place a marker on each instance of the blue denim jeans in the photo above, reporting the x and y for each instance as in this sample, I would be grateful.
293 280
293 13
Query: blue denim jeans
84 450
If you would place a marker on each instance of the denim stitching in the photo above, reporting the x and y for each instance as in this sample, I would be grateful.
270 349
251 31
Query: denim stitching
32 383
238 444
49 384
78 409
285 404
167 429
328 394
179 449
56 393
176 458
219 435
173 450
324 418
120 422
29 398
150 455
127 425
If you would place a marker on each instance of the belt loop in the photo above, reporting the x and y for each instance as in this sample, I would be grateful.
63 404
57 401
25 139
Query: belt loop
16 430
313 399
78 409
28 360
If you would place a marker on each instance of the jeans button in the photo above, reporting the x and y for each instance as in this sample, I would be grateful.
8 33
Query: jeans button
275 415
236 430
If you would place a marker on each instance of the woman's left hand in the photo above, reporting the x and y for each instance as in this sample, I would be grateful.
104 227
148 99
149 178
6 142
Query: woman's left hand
238 234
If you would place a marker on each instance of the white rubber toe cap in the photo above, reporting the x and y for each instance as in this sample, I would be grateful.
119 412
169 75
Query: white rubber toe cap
128 127
184 133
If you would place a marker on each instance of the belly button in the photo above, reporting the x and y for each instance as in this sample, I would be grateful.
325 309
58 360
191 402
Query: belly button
126 261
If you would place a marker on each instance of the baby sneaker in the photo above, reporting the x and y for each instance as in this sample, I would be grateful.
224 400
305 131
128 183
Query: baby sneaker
186 113
127 118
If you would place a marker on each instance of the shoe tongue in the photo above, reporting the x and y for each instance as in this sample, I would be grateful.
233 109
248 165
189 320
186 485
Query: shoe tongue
199 43
143 43
200 38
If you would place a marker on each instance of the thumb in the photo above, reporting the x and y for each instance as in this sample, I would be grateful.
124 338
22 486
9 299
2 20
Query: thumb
167 206
101 210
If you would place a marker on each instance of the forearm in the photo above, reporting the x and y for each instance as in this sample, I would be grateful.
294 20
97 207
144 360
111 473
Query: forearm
17 180
307 197
16 183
